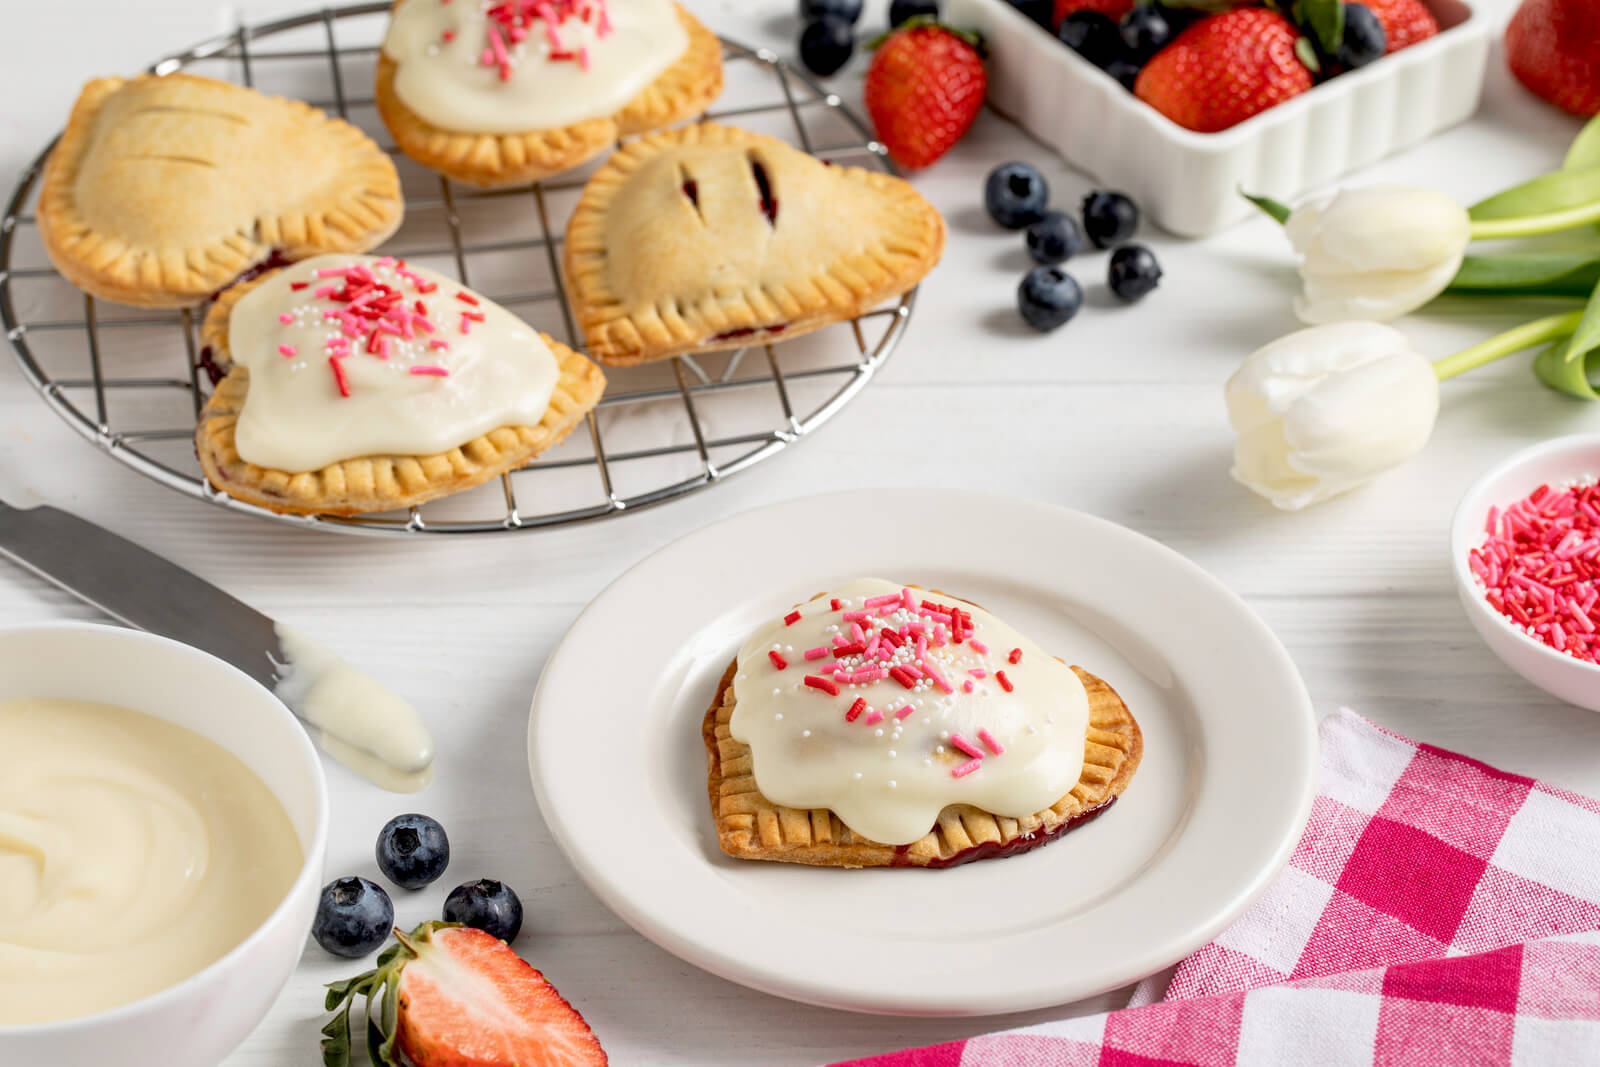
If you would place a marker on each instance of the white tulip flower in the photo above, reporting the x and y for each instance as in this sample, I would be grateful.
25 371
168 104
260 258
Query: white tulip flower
1327 408
1375 254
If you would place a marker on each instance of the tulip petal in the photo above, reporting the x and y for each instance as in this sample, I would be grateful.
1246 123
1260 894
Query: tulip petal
1393 228
1379 296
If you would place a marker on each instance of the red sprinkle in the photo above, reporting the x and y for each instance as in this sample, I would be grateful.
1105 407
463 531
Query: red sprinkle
1539 566
854 648
466 297
1005 683
777 660
855 710
1016 655
791 618
824 684
903 676
835 604
338 376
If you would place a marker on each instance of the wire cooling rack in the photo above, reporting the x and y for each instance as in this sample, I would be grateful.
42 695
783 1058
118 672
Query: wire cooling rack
133 381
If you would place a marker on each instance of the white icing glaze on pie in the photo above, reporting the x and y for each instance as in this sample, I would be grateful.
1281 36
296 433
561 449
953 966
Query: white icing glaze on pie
888 774
319 396
457 66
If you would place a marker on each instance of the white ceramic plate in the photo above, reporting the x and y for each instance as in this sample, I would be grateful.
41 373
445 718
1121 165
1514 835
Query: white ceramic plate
1214 811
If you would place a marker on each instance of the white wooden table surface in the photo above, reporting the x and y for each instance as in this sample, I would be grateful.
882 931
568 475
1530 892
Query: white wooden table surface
1120 413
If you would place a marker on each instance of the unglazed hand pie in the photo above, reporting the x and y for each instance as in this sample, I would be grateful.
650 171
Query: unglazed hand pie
163 190
361 384
713 237
500 92
882 726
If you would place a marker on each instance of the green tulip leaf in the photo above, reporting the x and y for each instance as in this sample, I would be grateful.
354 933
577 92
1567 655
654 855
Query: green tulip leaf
1585 151
1276 208
1560 190
1558 274
1573 377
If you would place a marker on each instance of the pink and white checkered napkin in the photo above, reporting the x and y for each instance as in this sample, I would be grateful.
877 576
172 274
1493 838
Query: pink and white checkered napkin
1437 911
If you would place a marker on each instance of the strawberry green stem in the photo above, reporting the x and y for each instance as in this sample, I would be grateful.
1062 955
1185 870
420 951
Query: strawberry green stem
1522 337
1533 225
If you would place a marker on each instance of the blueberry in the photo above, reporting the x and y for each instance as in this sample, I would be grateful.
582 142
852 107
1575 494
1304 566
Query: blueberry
900 10
1054 238
848 10
1016 194
486 905
1109 218
354 916
1145 31
1048 297
412 851
1125 71
1093 36
1039 11
1364 39
826 45
1134 272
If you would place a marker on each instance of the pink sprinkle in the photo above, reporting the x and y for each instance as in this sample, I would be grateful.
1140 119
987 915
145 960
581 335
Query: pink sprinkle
857 616
286 350
873 716
286 318
331 272
966 746
583 57
938 679
816 653
907 601
903 712
966 686
880 601
431 370
439 343
857 634
979 647
989 742
978 672
967 768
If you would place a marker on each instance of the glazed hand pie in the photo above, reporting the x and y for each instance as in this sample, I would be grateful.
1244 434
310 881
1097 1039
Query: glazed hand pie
883 726
713 237
501 92
361 384
162 190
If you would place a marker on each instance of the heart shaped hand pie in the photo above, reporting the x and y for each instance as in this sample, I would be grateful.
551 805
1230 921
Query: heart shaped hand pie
165 189
714 237
503 94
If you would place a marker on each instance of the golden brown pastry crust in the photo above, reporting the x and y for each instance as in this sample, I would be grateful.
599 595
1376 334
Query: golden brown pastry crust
654 272
376 483
749 826
162 190
491 160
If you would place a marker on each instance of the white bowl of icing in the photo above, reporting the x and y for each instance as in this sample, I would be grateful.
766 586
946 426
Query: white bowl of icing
199 1019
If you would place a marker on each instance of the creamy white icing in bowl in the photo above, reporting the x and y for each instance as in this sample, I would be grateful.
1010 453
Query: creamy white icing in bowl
73 665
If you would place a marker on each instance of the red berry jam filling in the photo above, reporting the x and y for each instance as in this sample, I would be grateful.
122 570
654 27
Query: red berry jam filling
1015 847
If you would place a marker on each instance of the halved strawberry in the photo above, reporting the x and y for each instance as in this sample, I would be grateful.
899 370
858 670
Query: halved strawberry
451 996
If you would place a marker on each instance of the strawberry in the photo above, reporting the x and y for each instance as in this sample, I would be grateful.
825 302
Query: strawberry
923 90
1405 22
1112 9
1553 47
452 996
1223 69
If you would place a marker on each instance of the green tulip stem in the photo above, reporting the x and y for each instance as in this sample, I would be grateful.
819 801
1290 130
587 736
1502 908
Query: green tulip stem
1523 337
1533 225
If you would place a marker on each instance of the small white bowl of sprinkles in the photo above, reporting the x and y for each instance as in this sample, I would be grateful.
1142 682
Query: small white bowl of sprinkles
1525 547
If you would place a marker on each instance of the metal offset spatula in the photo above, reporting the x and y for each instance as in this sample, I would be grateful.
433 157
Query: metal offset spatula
137 587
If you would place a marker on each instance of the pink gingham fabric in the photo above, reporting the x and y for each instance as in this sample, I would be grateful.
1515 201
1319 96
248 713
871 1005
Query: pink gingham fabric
1437 911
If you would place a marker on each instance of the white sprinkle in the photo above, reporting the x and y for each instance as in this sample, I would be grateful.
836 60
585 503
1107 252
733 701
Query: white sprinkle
891 753
939 749
856 776
805 733
927 763
740 677
878 732
944 735
777 715
777 692
1031 730
891 783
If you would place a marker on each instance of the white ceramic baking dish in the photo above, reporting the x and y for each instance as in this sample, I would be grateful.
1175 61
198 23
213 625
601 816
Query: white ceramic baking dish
1189 182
